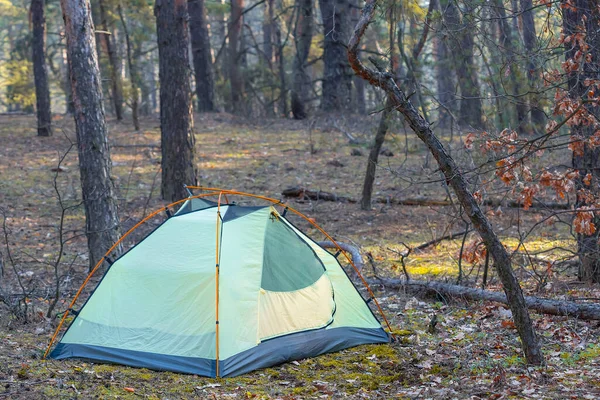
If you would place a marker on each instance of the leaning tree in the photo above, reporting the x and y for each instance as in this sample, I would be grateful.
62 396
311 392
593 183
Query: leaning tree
456 181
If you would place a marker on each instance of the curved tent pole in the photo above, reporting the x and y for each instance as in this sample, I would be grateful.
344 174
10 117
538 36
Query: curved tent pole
97 266
313 223
214 192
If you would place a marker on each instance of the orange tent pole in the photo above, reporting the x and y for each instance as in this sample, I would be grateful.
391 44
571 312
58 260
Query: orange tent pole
114 246
217 286
312 222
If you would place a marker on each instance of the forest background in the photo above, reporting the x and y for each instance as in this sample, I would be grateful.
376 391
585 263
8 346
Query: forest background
454 143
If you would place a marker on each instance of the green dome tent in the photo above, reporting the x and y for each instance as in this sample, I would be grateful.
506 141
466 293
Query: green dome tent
216 290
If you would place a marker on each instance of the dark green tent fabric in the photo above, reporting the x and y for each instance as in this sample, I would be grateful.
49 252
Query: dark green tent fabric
289 262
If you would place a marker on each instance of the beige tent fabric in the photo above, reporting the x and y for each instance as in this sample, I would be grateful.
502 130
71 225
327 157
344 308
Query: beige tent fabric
282 313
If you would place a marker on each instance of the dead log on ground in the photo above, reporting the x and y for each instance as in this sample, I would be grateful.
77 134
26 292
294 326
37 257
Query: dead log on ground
546 306
303 193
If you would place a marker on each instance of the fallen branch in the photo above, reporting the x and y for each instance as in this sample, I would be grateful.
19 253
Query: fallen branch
354 252
441 239
553 307
303 193
546 306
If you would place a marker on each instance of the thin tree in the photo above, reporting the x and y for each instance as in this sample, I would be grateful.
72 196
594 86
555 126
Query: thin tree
176 121
134 74
236 79
108 42
538 118
202 56
40 71
97 186
303 38
455 179
461 40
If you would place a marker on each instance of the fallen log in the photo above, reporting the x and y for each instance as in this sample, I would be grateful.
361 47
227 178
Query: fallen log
546 306
304 193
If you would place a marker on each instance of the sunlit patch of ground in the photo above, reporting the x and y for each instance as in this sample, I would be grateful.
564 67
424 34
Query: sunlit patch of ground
472 352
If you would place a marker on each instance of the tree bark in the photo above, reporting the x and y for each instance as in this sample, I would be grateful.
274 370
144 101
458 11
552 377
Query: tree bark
509 43
303 38
115 76
40 71
98 190
460 33
445 83
205 86
587 16
133 72
236 79
176 121
538 118
458 183
367 191
337 75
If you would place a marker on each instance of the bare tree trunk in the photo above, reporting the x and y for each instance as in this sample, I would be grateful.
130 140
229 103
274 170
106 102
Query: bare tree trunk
358 101
337 75
457 181
445 84
205 86
303 37
133 72
98 190
236 79
281 69
367 191
538 118
176 121
115 76
588 161
268 29
40 71
461 47
509 42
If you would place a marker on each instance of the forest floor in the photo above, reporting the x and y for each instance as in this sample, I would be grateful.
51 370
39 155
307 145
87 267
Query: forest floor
473 352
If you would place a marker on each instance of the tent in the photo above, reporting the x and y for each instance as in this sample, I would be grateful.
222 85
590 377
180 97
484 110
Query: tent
218 290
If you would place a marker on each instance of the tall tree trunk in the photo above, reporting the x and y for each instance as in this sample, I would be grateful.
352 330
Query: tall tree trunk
445 83
205 86
585 21
133 72
509 42
358 101
367 191
176 121
115 76
458 183
337 75
40 71
268 29
303 38
98 190
236 80
461 46
538 118
281 69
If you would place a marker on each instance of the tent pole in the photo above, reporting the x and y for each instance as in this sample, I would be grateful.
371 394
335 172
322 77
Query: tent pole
217 286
